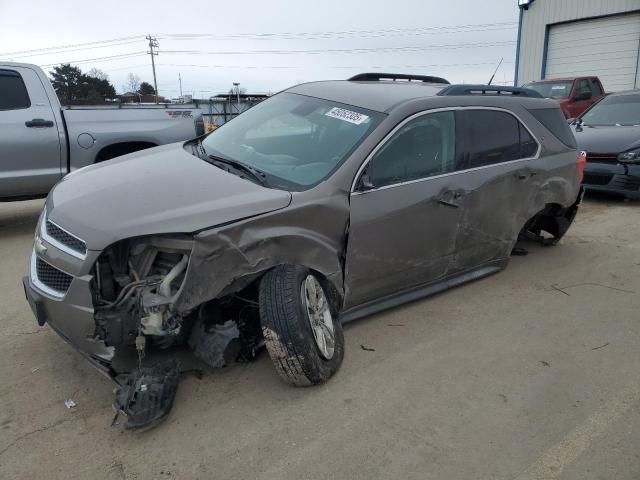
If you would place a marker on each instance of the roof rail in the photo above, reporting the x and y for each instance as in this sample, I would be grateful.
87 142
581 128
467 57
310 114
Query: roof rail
370 77
488 90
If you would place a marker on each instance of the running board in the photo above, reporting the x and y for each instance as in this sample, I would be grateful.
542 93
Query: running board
417 293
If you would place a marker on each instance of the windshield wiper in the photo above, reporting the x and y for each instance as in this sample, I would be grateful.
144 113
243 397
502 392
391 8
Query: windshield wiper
257 175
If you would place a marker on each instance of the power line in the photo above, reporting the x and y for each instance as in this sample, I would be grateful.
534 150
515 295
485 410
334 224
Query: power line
98 59
62 47
330 66
279 35
453 46
327 34
73 50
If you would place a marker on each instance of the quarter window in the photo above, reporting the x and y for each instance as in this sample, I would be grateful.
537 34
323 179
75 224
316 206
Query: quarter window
13 94
424 147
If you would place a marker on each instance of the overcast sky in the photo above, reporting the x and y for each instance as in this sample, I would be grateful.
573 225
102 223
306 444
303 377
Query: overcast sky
213 44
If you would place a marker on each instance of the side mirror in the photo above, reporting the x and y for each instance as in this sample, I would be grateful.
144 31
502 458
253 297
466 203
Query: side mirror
584 95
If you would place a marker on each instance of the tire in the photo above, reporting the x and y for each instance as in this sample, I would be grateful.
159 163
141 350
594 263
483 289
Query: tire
299 358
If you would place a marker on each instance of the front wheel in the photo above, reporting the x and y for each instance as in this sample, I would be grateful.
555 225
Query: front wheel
303 336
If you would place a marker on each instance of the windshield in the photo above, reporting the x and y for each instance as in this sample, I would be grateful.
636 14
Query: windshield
551 89
615 110
295 140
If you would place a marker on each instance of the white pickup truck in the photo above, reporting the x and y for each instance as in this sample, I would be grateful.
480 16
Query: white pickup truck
40 141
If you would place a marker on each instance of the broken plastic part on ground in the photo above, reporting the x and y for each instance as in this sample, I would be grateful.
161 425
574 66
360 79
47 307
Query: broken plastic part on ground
147 395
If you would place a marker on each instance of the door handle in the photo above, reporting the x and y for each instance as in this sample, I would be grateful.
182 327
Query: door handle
39 123
524 174
447 196
446 203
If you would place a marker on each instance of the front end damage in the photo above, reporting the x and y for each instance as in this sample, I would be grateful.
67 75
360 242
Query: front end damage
135 287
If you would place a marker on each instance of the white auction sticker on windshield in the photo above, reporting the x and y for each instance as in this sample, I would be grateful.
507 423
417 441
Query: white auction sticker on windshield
347 115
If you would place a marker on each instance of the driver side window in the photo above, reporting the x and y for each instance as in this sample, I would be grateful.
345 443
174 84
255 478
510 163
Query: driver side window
422 148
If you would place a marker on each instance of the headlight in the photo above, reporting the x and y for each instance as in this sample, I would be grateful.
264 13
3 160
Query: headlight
40 225
632 156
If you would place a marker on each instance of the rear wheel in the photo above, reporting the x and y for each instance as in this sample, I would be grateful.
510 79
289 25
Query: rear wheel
302 333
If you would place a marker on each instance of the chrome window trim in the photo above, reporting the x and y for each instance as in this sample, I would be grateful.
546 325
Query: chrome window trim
41 286
387 137
60 246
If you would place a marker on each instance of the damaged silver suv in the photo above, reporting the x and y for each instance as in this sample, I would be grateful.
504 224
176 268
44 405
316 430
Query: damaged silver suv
327 202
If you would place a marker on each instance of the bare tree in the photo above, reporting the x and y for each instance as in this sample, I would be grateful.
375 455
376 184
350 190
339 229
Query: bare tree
97 73
133 82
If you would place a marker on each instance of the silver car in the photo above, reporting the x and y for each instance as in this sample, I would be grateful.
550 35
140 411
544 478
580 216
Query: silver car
327 202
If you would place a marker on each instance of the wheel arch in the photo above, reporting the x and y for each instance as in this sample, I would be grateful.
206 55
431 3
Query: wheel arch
118 149
234 266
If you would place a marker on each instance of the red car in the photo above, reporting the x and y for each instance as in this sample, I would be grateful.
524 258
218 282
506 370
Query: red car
574 94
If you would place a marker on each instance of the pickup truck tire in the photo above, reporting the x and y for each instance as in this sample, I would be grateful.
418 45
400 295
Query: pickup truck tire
302 334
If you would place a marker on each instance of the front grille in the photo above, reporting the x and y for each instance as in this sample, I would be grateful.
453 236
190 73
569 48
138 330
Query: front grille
65 238
52 277
597 178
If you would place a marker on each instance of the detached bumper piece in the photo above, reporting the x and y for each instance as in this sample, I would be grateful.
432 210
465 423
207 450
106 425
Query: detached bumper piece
146 396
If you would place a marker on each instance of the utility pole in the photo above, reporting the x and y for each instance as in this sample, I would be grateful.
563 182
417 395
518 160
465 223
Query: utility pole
180 80
153 43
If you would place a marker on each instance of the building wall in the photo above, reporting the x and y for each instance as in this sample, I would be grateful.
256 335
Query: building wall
545 12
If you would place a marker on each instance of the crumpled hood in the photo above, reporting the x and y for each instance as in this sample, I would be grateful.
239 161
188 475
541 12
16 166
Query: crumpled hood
607 139
159 190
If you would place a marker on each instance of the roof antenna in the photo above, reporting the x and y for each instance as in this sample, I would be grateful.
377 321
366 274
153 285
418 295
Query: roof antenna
494 73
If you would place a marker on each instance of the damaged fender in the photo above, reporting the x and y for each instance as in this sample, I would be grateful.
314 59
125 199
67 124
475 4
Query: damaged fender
226 259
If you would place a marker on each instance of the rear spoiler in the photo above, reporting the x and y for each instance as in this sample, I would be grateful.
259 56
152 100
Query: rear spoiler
488 90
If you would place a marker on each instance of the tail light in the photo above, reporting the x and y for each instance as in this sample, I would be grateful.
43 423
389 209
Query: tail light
581 161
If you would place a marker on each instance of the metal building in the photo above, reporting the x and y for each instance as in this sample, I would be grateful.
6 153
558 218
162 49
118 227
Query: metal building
559 38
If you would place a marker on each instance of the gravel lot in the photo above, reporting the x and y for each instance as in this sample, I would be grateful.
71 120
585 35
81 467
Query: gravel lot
529 374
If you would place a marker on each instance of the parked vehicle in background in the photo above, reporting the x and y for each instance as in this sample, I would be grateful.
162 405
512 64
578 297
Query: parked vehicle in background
610 134
575 94
327 202
40 141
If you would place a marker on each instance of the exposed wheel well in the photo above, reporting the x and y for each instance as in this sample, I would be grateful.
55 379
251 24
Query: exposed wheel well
118 149
553 219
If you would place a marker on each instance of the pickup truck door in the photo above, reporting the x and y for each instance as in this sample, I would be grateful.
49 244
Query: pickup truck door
30 147
404 211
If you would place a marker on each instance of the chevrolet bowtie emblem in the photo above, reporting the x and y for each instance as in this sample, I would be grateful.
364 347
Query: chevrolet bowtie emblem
40 247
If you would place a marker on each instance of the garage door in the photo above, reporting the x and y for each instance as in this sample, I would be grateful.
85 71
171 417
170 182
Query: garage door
606 47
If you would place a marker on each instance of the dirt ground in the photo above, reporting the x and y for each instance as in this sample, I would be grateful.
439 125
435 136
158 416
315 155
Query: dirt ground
533 373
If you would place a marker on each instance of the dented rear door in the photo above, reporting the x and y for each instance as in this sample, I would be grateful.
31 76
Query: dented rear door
498 176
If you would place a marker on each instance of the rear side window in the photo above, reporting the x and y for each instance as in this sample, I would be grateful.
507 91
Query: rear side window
490 137
554 121
595 87
13 93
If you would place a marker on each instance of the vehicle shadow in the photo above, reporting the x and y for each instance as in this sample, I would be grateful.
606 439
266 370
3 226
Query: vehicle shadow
608 198
19 218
